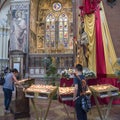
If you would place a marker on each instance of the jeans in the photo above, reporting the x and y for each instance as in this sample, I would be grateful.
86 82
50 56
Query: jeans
81 114
7 97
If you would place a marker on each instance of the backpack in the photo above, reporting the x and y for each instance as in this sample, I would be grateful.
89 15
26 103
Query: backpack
2 80
85 100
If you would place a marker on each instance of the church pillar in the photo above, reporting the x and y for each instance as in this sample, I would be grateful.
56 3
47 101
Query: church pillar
74 29
7 40
76 24
1 33
4 41
1 29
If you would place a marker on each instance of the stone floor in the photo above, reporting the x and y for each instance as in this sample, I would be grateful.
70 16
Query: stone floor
57 111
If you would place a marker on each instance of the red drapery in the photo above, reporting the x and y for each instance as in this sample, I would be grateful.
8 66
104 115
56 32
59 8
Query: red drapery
88 7
100 57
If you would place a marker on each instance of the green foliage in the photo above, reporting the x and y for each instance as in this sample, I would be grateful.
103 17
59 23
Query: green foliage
65 75
51 71
47 62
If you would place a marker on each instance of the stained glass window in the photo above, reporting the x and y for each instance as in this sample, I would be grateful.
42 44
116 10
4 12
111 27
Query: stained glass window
50 30
63 30
57 6
57 32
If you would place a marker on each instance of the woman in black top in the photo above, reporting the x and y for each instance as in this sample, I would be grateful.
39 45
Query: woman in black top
80 88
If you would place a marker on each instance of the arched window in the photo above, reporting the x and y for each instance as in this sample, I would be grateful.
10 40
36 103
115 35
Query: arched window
50 30
63 30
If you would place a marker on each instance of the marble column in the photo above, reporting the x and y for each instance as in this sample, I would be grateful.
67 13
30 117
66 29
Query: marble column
1 42
4 41
7 40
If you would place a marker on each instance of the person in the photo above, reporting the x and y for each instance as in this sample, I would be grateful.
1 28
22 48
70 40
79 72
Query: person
8 87
79 90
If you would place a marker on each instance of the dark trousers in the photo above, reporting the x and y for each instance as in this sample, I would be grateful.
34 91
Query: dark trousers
81 114
7 97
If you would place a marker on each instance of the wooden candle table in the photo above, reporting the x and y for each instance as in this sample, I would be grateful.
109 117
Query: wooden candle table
42 92
15 107
66 94
27 82
103 91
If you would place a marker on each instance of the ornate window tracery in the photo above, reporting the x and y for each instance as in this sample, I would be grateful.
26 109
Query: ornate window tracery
50 30
63 30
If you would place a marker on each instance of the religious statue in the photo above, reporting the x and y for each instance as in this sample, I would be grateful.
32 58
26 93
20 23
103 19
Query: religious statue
82 53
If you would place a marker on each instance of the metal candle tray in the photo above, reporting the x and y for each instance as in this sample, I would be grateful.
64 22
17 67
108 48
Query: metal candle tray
40 91
104 90
66 93
27 82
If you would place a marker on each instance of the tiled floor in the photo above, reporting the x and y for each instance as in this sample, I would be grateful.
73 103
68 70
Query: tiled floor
57 111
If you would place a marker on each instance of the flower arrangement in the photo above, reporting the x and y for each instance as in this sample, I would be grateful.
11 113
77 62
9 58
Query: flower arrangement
70 73
88 73
67 73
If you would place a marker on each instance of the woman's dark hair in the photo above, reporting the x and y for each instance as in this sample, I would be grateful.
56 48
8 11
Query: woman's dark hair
79 67
14 70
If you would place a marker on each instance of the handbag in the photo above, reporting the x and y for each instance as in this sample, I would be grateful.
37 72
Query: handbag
85 100
2 80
